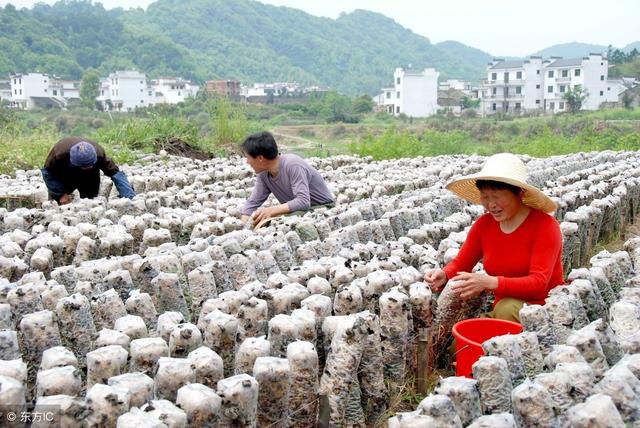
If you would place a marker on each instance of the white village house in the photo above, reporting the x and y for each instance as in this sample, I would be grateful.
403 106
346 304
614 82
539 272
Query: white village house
126 90
31 90
173 90
516 87
414 93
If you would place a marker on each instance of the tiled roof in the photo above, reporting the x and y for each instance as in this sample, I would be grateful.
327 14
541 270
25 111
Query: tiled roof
508 64
566 62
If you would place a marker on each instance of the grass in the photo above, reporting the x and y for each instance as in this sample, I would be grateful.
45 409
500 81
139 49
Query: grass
216 127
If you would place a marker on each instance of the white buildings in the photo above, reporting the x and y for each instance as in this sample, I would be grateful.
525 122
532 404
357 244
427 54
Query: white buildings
37 89
455 84
533 84
125 91
414 93
173 90
385 100
264 89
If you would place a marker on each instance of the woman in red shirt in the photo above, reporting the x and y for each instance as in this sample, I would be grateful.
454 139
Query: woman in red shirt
519 243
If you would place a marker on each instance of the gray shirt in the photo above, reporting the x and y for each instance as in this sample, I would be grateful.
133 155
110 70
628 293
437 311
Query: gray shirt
298 185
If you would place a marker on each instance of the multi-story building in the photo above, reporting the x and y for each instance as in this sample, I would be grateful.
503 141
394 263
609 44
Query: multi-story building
512 86
416 92
36 89
528 85
126 90
385 100
590 73
227 88
455 84
173 90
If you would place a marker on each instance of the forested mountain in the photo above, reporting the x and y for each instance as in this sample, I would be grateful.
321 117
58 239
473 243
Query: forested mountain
577 50
229 39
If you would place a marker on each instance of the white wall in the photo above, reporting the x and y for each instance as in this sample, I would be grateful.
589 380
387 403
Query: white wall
416 92
129 90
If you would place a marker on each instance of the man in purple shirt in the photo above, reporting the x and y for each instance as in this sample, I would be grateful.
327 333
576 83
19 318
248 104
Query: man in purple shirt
294 183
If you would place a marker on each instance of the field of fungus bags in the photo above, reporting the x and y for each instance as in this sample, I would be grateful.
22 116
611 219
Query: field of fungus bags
165 310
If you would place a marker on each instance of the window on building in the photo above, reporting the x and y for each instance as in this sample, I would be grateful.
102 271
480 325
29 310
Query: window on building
55 92
518 89
45 90
550 73
493 106
172 87
537 86
576 72
15 92
549 89
141 90
397 80
179 93
141 101
552 105
561 106
601 93
151 93
494 76
20 91
506 76
494 91
506 92
537 101
608 88
141 82
518 105
537 71
602 77
519 75
565 73
562 87
388 94
397 109
398 95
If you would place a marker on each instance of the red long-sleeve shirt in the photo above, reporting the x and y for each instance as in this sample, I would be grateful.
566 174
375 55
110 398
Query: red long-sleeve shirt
527 261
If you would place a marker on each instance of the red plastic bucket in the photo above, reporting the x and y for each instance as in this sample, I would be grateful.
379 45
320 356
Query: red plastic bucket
471 333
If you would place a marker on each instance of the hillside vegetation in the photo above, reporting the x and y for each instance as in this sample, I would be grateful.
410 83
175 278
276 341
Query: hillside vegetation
240 39
327 125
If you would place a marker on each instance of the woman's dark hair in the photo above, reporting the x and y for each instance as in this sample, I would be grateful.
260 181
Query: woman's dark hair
497 185
260 144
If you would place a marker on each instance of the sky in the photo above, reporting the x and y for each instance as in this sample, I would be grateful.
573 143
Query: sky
499 27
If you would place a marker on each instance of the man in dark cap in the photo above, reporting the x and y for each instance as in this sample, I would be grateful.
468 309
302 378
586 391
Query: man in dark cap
75 163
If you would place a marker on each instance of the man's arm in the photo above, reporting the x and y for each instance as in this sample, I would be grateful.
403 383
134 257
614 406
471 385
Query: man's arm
122 185
259 194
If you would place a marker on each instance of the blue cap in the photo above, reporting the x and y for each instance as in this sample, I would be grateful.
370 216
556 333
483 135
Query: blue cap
83 155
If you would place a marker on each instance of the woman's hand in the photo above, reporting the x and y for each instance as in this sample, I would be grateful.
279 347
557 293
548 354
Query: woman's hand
436 279
469 285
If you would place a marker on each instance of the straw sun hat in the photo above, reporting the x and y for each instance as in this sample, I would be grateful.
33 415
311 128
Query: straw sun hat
506 168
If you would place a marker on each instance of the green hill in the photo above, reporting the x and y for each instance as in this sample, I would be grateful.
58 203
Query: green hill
228 39
576 50
571 50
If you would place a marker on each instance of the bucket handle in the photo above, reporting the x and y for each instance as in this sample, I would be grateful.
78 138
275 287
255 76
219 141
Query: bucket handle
461 349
